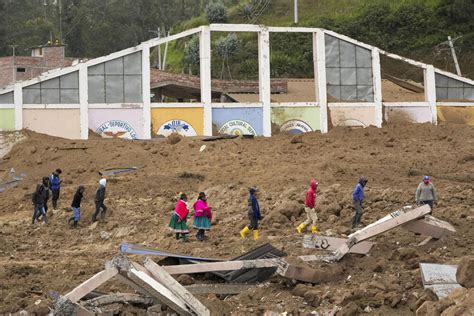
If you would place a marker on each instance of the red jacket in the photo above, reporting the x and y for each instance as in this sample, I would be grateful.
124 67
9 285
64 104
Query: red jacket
311 194
181 209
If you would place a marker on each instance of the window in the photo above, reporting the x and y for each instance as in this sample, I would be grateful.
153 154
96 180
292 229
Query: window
61 90
20 69
452 89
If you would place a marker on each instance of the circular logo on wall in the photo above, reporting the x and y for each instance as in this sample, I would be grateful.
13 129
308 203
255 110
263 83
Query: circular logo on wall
116 129
181 127
237 127
295 127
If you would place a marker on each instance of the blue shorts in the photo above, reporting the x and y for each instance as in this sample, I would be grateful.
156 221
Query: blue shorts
76 211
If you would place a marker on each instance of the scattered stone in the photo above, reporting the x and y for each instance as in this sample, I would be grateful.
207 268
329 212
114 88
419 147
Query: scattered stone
185 279
105 235
351 309
93 225
313 298
378 285
300 289
290 209
465 272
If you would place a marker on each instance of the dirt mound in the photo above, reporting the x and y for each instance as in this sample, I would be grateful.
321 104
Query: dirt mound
465 273
35 260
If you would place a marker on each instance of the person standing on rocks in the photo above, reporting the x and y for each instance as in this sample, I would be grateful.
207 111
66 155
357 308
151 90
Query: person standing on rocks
426 193
310 203
253 214
55 185
99 201
38 202
45 182
178 220
202 216
76 206
358 199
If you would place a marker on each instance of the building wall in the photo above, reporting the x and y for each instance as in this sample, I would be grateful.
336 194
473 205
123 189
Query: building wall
55 122
412 114
295 120
456 114
184 121
238 121
352 116
7 119
117 123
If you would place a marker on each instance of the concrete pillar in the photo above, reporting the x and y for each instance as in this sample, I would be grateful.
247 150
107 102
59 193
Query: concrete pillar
377 79
83 101
430 92
264 79
319 61
18 100
205 72
146 94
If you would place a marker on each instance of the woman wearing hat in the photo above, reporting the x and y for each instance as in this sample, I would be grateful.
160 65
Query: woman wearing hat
202 216
426 192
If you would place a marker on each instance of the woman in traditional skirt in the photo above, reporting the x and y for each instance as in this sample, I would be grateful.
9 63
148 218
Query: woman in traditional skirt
202 216
178 219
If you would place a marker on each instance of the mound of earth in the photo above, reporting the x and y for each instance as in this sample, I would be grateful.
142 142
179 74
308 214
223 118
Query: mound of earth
37 259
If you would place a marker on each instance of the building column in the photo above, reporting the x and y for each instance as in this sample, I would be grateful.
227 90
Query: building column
377 79
264 79
319 62
18 100
430 92
84 101
205 77
146 94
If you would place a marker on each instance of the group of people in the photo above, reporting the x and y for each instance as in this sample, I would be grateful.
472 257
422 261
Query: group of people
53 183
425 194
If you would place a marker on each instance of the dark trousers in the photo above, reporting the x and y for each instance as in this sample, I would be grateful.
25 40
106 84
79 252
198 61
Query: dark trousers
253 223
358 213
200 234
55 198
429 202
99 208
38 211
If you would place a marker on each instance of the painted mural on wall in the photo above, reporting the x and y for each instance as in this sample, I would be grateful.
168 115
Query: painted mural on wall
238 121
55 122
7 119
183 121
352 116
296 120
117 123
419 114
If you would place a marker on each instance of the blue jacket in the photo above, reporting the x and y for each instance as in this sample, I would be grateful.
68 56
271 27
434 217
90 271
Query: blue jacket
54 182
254 208
358 193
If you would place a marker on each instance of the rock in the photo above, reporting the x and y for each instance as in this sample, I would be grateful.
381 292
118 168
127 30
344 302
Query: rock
174 138
93 225
313 298
416 300
334 208
407 253
351 309
380 265
297 139
429 308
378 285
290 209
185 279
465 273
300 289
105 235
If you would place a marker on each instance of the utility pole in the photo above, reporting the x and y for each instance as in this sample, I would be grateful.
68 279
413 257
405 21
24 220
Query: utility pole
296 11
13 46
453 52
60 23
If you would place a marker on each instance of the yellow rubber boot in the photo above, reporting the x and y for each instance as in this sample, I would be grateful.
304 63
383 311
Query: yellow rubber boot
314 230
255 234
300 228
244 232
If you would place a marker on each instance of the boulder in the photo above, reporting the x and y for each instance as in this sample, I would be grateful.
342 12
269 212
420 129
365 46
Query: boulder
465 273
313 298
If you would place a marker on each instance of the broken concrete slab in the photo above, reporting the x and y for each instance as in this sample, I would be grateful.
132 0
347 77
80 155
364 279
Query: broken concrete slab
430 226
333 243
116 171
441 278
126 298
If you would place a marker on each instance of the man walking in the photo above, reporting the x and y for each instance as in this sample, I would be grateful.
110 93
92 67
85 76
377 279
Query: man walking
426 193
99 201
358 198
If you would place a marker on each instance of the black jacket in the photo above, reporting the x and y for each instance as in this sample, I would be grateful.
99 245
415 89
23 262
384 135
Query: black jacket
100 194
76 201
45 195
38 198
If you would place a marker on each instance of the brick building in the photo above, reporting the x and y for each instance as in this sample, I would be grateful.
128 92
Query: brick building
42 59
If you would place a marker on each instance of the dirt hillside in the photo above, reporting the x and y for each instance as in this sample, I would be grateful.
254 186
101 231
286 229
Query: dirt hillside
41 258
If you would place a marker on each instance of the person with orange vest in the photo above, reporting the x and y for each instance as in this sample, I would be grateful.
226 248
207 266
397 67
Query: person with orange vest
310 203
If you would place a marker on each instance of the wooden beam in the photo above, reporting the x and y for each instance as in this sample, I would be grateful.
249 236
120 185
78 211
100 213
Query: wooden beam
384 224
430 226
218 289
332 243
133 285
221 266
180 291
91 284
158 291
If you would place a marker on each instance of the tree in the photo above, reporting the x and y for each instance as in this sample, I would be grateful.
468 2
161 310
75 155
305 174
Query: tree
191 52
216 13
226 48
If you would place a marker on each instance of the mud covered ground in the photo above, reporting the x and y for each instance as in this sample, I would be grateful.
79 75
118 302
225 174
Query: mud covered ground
41 258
